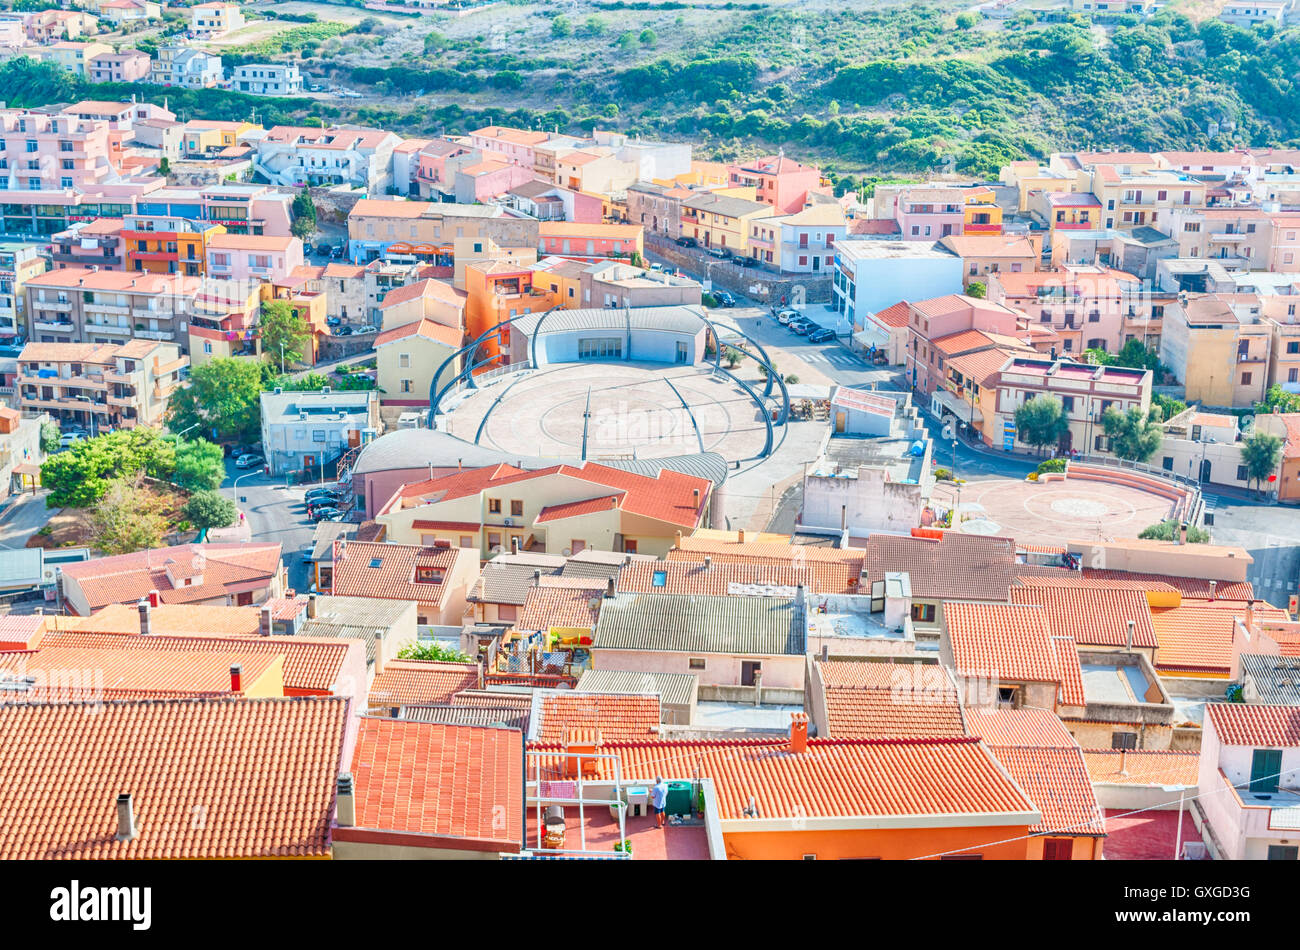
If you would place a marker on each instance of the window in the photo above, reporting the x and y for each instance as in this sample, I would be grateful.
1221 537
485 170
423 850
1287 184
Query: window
924 613
1007 695
466 541
1293 346
1283 852
406 385
1167 463
1245 379
507 612
1123 740
404 360
376 562
1067 403
576 546
494 540
1058 849
1265 764
1241 473
318 435
1293 376
695 663
629 546
425 574
494 506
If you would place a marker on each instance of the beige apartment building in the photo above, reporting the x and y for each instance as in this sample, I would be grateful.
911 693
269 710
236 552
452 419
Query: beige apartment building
88 305
99 385
1219 347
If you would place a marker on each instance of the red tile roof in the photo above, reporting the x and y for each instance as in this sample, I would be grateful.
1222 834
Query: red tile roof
76 674
458 782
619 718
21 631
429 329
310 664
1188 586
1255 725
260 773
719 578
1008 641
834 570
889 700
388 571
573 509
960 566
895 316
1142 766
835 778
1198 637
412 682
1066 649
1026 726
225 569
554 605
1057 781
1094 617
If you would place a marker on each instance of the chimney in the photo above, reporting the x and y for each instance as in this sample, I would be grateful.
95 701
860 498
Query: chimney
1213 585
379 652
708 561
695 494
347 811
799 596
758 687
153 598
1182 533
236 678
146 626
678 542
1123 762
1249 620
480 672
740 535
609 587
514 545
826 652
844 516
1129 637
125 817
311 606
798 733
265 627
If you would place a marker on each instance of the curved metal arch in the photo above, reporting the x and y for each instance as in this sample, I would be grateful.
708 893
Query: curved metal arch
772 374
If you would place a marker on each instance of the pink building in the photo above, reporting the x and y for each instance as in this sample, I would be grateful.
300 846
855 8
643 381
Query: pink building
928 214
517 145
40 152
933 327
253 257
89 244
780 182
1085 305
485 180
589 241
129 65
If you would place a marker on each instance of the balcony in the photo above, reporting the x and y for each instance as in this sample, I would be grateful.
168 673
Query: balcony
1228 237
120 379
61 327
155 334
983 228
107 308
122 400
112 329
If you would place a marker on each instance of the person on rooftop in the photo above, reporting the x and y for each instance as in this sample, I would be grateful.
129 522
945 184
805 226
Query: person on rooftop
659 801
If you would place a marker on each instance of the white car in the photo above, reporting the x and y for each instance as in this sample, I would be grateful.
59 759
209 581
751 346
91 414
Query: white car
785 316
70 439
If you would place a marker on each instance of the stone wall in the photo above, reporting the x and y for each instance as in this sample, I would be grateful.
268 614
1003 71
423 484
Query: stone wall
757 283
330 347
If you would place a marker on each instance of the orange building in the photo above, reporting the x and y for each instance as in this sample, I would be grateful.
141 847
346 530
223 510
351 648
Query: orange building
168 252
497 291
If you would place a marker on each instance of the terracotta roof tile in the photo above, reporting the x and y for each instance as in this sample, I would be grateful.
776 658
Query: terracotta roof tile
1094 617
1008 641
374 569
959 566
560 605
573 509
833 570
225 569
1057 781
169 618
719 578
263 771
888 700
895 316
1255 725
460 782
618 718
421 681
80 674
1026 726
1195 637
1188 586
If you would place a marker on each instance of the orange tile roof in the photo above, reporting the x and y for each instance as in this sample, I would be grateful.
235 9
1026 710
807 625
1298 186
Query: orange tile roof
961 341
262 771
982 364
835 778
126 578
836 574
889 700
1188 586
1094 617
1026 726
551 605
169 618
1194 637
1142 766
619 718
574 509
458 782
1009 641
1067 663
376 569
414 682
1057 781
1255 725
79 674
895 316
437 332
310 664
22 631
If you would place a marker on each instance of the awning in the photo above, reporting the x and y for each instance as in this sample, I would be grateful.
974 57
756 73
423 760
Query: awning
943 402
27 468
872 336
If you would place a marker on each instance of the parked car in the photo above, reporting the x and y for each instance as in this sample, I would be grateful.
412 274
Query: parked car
329 500
249 460
687 242
365 329
821 335
725 298
784 317
747 261
718 252
69 439
337 252
802 328
343 331
322 490
326 514
324 248
334 321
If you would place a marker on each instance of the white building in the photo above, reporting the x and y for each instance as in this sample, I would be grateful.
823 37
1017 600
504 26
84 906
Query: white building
1255 12
186 67
267 79
304 432
360 158
1249 784
872 275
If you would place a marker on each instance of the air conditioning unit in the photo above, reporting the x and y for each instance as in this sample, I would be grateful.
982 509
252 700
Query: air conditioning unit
508 522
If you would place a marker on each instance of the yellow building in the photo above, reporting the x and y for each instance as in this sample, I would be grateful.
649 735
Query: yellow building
408 356
1028 177
205 136
1218 348
224 320
168 252
981 212
74 56
723 221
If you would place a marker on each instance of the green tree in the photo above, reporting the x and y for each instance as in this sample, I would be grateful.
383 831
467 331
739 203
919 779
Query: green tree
1168 406
200 465
595 26
223 398
127 518
561 27
1137 355
79 477
50 435
1097 357
648 37
967 20
1260 454
1171 530
431 651
977 289
1133 435
285 333
311 382
209 509
626 40
304 215
1278 399
1041 422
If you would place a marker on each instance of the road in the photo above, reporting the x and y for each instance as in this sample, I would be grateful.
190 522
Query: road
1271 534
23 517
274 513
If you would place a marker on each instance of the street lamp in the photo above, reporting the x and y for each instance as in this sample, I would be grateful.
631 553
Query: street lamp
1182 793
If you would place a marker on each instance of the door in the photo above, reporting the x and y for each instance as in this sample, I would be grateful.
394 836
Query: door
747 670
1265 765
1058 849
1282 852
681 352
840 420
1205 470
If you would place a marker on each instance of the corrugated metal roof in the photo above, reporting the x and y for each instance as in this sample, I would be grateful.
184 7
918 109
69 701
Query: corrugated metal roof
674 689
676 319
503 716
1276 678
762 626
